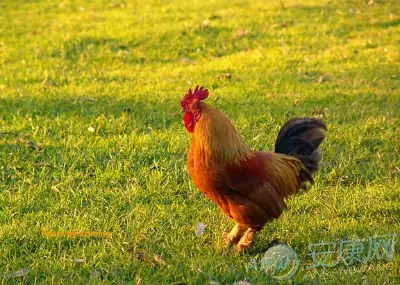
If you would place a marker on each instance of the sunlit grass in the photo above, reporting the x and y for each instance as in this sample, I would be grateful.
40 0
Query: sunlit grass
121 68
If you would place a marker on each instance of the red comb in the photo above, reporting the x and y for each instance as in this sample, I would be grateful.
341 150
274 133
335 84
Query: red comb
197 94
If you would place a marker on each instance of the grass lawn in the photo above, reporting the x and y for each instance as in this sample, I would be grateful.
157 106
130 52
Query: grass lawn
91 134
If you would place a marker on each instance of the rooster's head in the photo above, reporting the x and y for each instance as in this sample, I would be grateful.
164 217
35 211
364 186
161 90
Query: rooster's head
191 107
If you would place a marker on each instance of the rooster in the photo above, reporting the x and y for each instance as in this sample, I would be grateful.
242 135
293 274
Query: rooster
248 186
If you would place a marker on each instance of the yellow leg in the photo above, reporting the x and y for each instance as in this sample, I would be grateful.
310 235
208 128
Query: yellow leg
246 240
235 235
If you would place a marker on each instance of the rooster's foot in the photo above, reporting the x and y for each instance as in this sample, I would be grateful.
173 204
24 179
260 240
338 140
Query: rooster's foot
246 240
235 235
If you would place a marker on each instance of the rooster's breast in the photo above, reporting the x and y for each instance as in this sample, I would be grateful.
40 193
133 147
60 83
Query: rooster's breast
208 179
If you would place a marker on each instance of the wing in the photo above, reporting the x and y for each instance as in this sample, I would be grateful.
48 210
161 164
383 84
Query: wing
265 179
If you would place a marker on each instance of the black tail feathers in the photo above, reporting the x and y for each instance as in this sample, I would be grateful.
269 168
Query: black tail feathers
301 138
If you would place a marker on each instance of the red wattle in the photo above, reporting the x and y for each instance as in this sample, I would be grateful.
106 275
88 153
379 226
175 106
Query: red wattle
188 120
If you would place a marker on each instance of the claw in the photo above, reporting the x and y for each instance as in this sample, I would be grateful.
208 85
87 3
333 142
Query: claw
246 240
234 236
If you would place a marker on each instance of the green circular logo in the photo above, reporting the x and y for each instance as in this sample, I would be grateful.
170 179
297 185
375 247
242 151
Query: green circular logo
280 261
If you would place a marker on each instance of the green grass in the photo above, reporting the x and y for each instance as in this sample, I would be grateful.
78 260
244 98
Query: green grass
122 68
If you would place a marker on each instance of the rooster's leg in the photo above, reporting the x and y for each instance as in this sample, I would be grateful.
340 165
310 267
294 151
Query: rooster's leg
235 235
246 240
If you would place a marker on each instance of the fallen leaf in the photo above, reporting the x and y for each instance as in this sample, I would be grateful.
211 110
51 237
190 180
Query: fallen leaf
200 229
187 60
372 21
19 273
91 129
241 282
158 258
224 76
242 32
79 260
204 25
